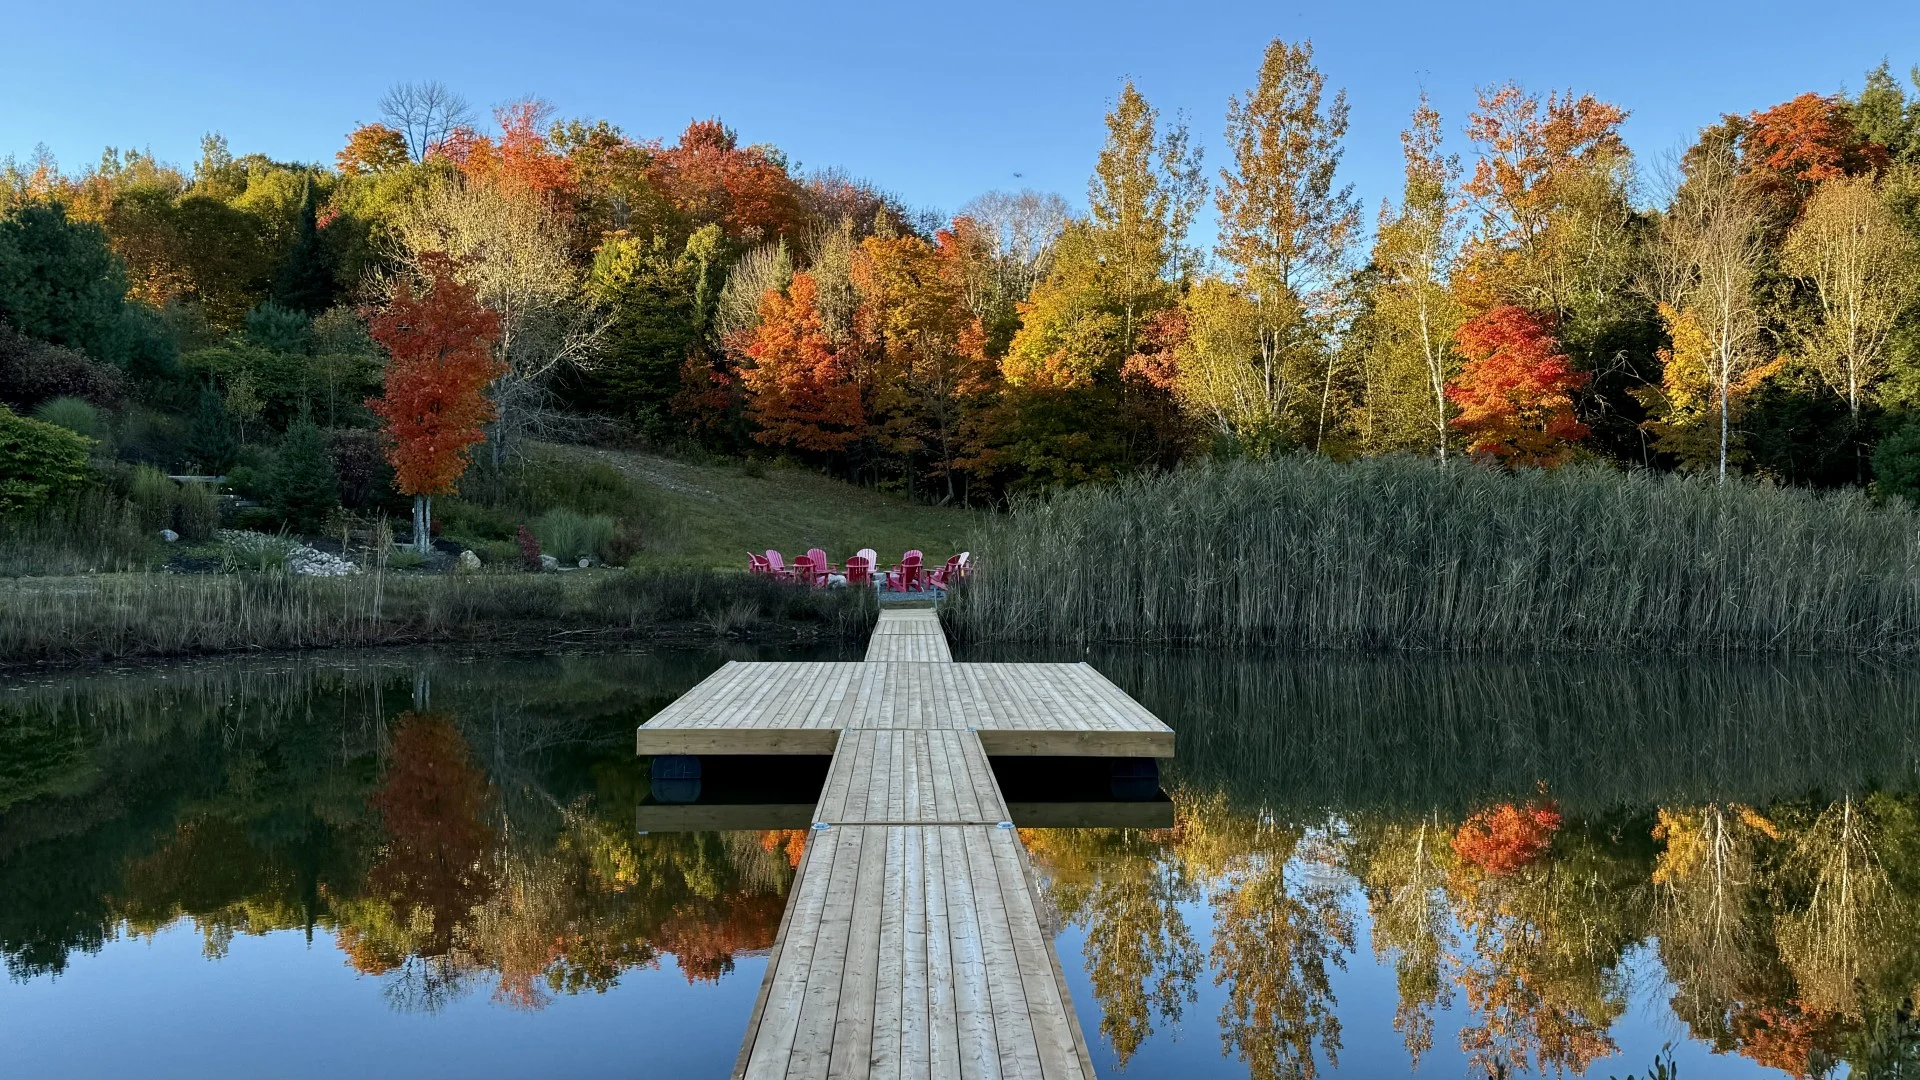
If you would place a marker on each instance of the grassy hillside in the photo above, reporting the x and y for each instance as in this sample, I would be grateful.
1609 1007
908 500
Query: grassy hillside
712 515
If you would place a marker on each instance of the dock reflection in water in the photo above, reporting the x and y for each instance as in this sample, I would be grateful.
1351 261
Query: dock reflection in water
1361 866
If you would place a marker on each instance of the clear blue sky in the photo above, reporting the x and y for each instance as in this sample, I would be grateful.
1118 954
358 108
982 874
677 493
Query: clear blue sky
936 102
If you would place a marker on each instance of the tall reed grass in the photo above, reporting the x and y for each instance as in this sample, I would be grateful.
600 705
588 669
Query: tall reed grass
93 529
133 615
1404 554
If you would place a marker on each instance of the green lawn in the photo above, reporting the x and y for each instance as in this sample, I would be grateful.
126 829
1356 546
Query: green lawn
712 515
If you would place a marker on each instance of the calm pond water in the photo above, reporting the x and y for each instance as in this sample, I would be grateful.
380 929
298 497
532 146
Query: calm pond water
428 864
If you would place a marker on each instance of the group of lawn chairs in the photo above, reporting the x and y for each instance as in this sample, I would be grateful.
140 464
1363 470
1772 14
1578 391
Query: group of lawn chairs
907 575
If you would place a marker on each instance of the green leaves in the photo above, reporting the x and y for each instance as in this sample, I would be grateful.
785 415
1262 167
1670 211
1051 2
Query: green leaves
37 461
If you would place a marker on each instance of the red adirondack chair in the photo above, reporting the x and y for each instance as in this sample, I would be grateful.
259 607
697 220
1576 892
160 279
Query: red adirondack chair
821 566
778 566
859 570
907 577
758 566
943 577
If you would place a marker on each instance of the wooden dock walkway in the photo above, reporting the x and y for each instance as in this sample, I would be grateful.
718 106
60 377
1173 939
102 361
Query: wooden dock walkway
913 941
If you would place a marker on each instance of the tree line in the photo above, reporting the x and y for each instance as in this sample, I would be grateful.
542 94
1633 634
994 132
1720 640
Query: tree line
1748 308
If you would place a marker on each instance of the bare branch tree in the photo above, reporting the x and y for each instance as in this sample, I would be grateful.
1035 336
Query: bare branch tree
1023 226
424 113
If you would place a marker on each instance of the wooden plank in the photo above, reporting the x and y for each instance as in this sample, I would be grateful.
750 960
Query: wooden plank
979 1051
908 775
1056 1031
916 980
722 817
821 1000
853 1030
943 1019
701 741
889 1005
1013 1025
771 1032
1014 743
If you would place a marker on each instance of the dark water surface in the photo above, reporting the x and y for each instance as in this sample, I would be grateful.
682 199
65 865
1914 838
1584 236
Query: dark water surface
427 864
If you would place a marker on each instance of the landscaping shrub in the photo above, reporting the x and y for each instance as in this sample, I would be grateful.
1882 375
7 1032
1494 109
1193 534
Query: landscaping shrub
151 436
254 550
37 462
77 416
33 371
154 495
406 558
501 553
567 535
365 477
196 512
529 547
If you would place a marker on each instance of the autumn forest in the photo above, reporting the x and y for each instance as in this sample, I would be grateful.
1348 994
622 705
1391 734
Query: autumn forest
1746 310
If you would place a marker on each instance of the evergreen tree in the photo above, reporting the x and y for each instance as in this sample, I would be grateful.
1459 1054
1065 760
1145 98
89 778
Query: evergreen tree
60 282
305 486
651 298
210 441
305 281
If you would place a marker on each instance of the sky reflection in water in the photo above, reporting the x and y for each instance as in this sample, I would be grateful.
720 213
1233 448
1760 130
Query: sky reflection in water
423 865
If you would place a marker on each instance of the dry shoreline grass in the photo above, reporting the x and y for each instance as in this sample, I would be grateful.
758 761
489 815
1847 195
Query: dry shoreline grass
116 616
1391 554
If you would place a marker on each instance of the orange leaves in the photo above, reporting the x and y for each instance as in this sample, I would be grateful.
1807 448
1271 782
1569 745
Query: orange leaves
1155 360
801 391
791 843
1799 143
435 404
710 179
521 160
372 148
1504 838
1514 391
1528 146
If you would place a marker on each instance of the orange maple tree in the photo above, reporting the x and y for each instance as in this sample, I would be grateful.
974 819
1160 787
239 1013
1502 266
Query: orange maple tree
1515 391
801 391
523 159
372 148
1796 144
434 405
1529 147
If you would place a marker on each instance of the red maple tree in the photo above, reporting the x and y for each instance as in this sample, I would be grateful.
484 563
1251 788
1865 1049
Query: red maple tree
709 177
801 391
1504 838
434 405
1515 390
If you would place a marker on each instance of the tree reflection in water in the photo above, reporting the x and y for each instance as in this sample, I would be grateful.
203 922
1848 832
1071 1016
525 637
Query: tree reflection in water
488 842
1784 924
1529 848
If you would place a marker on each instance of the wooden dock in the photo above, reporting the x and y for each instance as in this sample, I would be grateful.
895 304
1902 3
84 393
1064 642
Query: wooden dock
913 941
